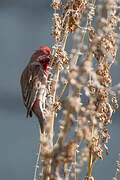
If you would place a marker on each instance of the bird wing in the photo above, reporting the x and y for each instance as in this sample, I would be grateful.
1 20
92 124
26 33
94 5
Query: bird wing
30 83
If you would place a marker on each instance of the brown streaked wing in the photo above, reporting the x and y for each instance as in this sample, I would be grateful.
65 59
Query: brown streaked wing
31 77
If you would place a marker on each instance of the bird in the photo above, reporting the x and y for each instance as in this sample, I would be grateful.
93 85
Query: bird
33 83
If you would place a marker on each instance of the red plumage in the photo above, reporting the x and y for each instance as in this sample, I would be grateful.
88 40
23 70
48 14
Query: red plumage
34 82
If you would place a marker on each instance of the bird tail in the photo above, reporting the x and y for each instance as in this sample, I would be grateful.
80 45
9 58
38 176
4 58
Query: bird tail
41 121
38 112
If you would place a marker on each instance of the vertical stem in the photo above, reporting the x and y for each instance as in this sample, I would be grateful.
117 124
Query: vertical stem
75 174
65 173
50 130
90 158
56 78
38 157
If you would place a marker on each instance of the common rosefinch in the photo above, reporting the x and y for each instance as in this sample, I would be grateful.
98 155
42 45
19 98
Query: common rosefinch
33 84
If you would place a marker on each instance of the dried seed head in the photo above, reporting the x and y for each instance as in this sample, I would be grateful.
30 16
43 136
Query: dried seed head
56 4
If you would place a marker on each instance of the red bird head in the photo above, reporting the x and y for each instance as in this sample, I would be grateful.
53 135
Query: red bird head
42 56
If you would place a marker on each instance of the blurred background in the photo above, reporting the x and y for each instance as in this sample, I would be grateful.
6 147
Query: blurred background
25 25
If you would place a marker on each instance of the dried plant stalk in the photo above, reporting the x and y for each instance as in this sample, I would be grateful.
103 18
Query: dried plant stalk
117 168
89 104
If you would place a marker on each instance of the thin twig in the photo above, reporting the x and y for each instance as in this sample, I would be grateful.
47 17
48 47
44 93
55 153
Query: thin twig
61 93
37 163
38 157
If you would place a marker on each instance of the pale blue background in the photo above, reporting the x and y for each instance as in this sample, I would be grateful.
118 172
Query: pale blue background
25 25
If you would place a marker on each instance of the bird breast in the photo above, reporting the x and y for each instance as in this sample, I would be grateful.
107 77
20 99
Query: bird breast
42 89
